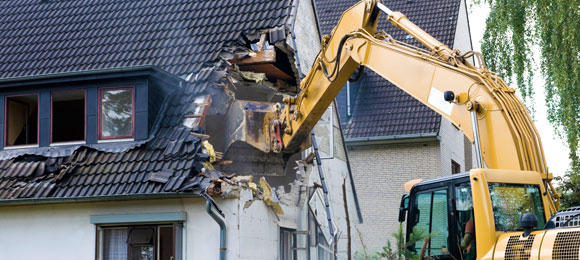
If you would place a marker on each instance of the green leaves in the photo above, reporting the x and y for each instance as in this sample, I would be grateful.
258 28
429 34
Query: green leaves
515 30
401 252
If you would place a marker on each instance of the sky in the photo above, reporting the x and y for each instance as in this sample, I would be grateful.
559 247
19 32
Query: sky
555 148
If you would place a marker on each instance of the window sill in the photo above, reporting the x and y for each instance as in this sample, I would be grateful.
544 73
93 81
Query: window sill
15 147
68 143
115 140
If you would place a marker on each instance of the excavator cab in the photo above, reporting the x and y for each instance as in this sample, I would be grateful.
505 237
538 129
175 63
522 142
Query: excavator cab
490 205
440 208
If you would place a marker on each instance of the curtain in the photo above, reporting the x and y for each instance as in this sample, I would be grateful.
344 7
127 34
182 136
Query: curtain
115 244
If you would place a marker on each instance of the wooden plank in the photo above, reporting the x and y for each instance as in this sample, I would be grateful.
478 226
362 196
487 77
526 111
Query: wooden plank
272 72
259 57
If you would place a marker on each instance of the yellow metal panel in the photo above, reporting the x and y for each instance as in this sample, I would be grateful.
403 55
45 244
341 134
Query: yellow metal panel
483 214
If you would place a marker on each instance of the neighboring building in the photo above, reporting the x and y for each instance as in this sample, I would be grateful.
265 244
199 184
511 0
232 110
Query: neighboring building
114 117
391 137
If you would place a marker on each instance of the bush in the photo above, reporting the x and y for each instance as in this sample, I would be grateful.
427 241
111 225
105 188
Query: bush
400 252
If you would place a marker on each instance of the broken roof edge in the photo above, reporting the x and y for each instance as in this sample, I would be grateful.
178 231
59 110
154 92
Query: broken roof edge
121 197
84 75
394 139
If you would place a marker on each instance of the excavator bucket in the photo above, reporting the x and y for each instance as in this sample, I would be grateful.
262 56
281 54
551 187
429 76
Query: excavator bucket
247 141
248 122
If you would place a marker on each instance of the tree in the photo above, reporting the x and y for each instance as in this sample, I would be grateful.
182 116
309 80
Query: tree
515 29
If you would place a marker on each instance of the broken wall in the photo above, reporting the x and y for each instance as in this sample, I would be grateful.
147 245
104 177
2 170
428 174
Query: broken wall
292 187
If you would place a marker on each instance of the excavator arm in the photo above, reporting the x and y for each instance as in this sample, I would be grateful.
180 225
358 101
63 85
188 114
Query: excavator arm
474 99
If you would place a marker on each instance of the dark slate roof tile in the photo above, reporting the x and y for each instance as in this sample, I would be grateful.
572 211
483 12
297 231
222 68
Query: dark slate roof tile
380 108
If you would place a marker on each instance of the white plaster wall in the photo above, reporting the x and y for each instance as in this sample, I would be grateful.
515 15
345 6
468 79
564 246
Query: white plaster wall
258 230
64 231
462 38
452 147
307 37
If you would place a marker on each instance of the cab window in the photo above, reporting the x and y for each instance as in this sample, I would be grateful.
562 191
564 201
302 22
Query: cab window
510 201
465 221
431 217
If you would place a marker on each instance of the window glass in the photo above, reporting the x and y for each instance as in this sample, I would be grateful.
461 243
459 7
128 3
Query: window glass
465 221
318 240
432 210
166 243
68 116
510 201
22 120
116 113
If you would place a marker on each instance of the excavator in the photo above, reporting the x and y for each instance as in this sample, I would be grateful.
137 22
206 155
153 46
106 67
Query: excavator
505 208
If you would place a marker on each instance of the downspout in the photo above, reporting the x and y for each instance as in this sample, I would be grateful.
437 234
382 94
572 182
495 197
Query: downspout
354 194
348 98
219 219
300 75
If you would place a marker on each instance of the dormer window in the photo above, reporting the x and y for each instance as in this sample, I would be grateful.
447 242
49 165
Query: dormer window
72 110
68 116
116 113
21 120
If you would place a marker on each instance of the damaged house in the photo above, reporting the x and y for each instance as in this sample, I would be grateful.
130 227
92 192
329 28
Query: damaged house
119 133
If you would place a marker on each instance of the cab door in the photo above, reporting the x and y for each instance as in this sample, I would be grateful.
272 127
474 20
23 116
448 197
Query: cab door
431 213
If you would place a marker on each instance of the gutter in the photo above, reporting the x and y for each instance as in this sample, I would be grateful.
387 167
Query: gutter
36 201
393 139
219 219
54 78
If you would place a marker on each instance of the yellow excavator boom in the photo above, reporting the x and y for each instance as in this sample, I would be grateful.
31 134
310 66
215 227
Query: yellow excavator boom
474 99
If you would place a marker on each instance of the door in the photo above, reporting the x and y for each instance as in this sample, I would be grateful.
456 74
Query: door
429 216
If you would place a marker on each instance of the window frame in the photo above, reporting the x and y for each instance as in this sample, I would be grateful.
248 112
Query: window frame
455 167
100 113
99 228
414 217
282 246
541 217
52 114
6 146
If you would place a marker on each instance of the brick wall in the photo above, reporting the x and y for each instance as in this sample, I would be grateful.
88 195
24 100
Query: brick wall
379 174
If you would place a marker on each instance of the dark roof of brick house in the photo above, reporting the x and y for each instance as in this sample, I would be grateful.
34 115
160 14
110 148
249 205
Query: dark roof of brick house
179 37
380 108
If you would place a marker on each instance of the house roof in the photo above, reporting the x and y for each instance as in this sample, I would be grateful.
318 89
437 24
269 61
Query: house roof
179 37
169 162
380 108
